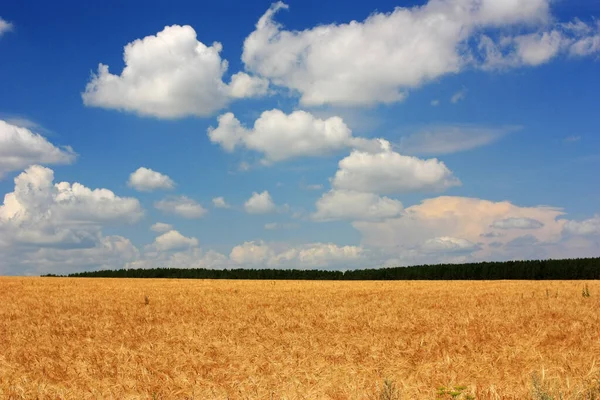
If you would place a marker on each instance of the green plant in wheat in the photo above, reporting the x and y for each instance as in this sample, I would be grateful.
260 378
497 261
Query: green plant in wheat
389 391
454 393
585 292
538 390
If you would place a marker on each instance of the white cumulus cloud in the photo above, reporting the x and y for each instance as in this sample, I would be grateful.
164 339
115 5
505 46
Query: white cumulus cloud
170 75
182 206
173 240
390 172
243 85
356 206
538 48
219 202
161 227
586 227
147 180
281 136
20 148
260 203
44 224
36 197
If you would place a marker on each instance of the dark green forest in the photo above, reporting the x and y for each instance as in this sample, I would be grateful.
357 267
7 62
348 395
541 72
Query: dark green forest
580 268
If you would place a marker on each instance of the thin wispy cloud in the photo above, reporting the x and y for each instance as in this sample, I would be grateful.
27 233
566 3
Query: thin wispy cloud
458 96
447 139
572 139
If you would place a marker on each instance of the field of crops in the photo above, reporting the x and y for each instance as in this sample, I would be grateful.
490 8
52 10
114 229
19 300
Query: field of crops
171 339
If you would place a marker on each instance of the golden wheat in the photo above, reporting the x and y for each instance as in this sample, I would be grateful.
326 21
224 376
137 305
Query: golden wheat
171 339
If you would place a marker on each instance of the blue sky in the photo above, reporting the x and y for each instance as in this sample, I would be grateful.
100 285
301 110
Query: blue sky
421 132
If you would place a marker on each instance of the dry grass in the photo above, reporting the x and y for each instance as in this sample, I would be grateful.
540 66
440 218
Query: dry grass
103 338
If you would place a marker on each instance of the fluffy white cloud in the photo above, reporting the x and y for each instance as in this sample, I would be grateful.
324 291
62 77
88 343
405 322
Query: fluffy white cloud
379 59
517 223
586 227
260 203
281 136
538 48
219 202
147 180
229 133
182 206
5 26
390 172
243 85
44 224
161 227
362 176
37 198
173 240
312 255
170 75
20 148
352 205
451 139
251 253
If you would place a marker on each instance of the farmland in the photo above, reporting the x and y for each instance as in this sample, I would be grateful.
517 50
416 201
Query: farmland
80 338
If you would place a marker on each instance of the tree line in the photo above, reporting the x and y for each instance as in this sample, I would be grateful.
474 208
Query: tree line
580 268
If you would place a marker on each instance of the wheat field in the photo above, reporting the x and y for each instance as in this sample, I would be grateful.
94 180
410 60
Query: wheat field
77 338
